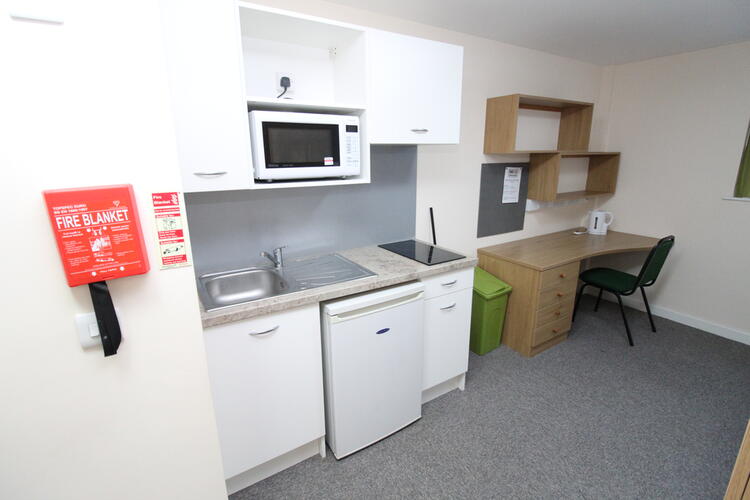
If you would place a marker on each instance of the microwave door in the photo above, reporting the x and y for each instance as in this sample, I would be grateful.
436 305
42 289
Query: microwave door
301 150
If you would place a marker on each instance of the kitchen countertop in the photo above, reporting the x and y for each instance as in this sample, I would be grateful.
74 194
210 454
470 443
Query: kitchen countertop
390 269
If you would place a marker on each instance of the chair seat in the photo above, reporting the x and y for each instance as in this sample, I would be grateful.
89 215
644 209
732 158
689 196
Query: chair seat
609 279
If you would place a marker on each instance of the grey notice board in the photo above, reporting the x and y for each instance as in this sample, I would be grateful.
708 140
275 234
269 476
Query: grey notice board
496 217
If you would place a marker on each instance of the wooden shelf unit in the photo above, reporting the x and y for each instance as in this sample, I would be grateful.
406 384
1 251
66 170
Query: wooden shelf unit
544 173
501 122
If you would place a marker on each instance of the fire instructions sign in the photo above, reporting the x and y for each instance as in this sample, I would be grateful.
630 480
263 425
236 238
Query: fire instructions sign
98 233
170 235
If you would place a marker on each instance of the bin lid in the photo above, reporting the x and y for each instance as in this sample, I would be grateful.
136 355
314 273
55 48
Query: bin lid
488 286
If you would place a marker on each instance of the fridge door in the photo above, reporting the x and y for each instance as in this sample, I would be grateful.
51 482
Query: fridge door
373 369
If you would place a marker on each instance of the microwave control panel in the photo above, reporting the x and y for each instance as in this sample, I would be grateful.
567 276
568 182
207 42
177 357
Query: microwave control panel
351 144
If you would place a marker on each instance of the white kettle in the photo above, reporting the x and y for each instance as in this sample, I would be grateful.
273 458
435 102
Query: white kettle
599 221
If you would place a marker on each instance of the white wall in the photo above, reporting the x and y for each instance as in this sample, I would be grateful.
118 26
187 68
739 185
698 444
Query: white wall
87 104
448 176
680 122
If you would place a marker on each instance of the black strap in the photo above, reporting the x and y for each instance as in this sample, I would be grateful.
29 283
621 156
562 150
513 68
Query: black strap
106 317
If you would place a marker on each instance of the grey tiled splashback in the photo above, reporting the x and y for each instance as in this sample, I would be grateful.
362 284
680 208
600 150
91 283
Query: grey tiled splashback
228 229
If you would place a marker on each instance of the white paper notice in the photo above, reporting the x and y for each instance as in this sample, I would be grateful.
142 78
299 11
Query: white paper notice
511 184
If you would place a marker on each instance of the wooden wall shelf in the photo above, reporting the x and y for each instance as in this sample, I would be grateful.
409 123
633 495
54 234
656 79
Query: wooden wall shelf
500 127
501 122
544 174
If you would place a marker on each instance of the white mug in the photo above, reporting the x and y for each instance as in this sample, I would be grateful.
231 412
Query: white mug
598 222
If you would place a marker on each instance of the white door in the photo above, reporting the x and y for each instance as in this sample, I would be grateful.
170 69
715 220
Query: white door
204 60
267 386
374 374
414 90
446 337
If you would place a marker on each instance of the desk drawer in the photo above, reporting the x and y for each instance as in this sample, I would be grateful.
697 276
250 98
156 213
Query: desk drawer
550 330
559 295
566 275
553 313
454 281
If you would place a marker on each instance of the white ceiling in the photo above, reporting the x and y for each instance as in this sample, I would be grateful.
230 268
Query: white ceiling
596 31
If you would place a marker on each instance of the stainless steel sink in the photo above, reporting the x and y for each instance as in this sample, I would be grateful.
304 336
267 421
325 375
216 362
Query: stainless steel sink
236 287
218 290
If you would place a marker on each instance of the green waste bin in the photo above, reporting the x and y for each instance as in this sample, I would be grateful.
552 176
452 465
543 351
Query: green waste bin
487 311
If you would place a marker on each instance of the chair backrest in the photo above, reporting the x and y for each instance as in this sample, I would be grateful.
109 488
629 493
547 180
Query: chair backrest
654 262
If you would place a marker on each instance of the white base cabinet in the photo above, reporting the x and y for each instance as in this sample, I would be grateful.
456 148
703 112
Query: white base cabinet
267 383
447 326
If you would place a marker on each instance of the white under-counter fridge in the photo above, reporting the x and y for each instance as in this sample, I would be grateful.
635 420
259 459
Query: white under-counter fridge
372 365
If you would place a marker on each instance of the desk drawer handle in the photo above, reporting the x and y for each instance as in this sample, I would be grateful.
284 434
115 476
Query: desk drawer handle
448 308
450 283
560 294
563 275
265 332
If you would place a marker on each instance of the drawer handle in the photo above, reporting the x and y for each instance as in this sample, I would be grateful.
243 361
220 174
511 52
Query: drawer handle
420 130
266 332
560 294
450 283
562 275
557 313
555 330
209 174
448 308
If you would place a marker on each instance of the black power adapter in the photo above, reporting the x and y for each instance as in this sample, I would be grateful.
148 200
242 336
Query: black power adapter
285 83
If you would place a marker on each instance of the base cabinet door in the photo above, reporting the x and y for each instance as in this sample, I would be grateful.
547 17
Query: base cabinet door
446 341
267 385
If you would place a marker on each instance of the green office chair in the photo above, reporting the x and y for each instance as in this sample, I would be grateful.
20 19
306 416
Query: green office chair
623 284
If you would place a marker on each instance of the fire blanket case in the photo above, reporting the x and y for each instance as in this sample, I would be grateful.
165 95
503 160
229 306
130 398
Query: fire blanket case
99 238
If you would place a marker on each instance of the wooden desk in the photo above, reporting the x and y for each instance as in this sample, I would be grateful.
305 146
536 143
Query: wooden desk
543 272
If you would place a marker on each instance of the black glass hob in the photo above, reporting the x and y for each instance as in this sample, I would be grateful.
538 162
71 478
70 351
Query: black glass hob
421 252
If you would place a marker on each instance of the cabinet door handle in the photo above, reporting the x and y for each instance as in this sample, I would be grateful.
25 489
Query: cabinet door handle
555 330
557 313
448 308
450 283
265 332
562 275
560 294
209 174
420 130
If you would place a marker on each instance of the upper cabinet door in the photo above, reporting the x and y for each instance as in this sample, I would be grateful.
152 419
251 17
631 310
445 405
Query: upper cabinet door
204 60
414 90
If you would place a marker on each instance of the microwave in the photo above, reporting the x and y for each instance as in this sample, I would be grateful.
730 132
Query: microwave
290 145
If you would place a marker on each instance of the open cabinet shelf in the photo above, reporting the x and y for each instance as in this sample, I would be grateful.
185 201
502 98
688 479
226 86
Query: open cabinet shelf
544 174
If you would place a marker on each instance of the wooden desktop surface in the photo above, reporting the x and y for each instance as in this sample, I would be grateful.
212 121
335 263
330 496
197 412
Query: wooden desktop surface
557 249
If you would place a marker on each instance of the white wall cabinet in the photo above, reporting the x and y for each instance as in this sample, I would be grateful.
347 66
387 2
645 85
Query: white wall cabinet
414 90
267 386
204 62
446 328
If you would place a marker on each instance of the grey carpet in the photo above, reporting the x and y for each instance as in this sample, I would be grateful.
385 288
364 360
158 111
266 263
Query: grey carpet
590 418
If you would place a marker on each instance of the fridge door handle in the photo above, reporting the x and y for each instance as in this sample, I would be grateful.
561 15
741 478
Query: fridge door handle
358 313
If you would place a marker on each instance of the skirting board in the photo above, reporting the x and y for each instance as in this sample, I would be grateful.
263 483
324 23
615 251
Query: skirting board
457 382
278 464
685 319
